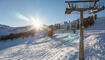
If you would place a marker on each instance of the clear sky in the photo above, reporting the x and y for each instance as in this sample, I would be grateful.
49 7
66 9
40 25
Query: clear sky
49 11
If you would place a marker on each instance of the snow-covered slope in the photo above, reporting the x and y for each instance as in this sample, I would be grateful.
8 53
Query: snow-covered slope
6 30
95 40
62 46
95 45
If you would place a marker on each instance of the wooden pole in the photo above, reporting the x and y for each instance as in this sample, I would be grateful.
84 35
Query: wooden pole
81 42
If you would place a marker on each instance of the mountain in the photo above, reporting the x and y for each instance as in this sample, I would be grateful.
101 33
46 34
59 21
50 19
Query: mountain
6 30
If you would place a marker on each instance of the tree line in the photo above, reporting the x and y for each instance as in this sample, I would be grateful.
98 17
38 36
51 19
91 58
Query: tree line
89 21
15 36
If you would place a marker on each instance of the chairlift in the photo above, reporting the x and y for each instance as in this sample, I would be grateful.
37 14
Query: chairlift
96 10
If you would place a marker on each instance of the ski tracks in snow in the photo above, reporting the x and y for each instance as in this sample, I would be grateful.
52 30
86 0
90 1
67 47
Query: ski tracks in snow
58 47
59 53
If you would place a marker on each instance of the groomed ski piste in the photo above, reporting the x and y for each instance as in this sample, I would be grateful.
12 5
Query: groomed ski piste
62 46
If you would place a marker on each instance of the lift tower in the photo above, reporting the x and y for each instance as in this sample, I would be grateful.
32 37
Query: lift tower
91 7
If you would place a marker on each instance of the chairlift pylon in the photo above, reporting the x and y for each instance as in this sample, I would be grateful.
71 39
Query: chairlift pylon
92 9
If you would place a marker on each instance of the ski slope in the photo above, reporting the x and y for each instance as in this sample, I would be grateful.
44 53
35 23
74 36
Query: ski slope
62 46
95 41
6 30
95 45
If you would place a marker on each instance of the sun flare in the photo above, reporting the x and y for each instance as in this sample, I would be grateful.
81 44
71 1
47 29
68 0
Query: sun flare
36 23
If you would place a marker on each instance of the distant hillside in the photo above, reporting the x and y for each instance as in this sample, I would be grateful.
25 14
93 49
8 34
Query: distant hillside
6 30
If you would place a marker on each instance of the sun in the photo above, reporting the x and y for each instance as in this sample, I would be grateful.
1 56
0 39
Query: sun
36 23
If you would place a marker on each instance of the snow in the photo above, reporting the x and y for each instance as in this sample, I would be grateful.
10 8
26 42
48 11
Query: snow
33 48
95 41
62 46
6 30
95 45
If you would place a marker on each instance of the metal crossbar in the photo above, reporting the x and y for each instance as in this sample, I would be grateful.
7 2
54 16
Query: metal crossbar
80 1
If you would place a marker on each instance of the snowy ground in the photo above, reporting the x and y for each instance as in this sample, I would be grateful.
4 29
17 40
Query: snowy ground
63 46
95 45
95 41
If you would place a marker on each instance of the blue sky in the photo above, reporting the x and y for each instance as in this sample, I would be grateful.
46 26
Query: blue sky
50 11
